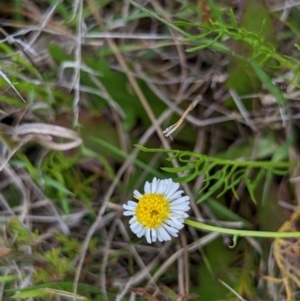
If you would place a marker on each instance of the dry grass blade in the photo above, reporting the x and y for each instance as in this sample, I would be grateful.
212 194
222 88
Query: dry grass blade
4 76
42 133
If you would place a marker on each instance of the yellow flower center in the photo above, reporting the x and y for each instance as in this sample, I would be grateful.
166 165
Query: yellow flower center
152 210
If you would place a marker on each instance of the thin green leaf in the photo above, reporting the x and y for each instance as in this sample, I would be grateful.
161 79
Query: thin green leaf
197 37
186 23
268 83
30 294
248 183
212 190
57 185
210 43
232 19
262 29
7 278
177 169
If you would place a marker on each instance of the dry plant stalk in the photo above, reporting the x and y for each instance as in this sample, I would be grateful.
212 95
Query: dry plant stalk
171 129
287 253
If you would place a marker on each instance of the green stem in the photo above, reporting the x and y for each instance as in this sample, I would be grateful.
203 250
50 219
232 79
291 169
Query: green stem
252 164
238 232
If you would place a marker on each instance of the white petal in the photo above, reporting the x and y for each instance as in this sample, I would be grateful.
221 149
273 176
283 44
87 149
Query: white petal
169 186
180 216
141 233
132 220
178 211
165 186
128 213
180 199
184 204
137 194
184 207
173 222
179 207
136 227
132 203
159 236
164 234
128 207
172 190
148 236
181 202
171 230
160 186
176 195
154 235
153 186
147 187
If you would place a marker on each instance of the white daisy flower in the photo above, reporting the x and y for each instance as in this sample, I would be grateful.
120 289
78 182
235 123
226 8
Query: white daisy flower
159 212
